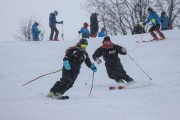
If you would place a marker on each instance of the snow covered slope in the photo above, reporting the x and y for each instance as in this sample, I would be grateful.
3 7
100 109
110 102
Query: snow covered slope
20 62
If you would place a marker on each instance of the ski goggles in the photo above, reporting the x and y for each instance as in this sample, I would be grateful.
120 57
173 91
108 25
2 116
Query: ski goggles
107 42
83 45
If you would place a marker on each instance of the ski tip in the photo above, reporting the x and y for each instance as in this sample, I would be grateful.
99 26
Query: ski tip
112 88
121 87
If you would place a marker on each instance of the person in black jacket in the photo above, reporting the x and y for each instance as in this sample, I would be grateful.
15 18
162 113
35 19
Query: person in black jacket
109 52
72 61
94 25
52 25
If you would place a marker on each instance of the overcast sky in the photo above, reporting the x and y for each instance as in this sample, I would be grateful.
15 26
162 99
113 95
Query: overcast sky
13 11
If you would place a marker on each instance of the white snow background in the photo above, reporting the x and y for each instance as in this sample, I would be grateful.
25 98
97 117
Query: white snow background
21 62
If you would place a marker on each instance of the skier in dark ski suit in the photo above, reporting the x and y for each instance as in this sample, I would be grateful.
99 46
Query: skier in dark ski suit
94 25
109 52
52 25
72 61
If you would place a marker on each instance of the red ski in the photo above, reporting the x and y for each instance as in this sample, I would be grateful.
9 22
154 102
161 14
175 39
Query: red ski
114 87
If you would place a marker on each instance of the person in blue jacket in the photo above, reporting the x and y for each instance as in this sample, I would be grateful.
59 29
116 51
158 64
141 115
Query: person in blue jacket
155 20
35 31
164 21
85 31
102 33
52 25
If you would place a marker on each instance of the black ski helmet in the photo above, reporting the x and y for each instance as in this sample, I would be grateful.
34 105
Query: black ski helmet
163 13
83 41
107 38
149 9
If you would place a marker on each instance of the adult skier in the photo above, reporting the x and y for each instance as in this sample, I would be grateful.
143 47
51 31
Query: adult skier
155 20
94 25
164 21
52 25
72 61
109 51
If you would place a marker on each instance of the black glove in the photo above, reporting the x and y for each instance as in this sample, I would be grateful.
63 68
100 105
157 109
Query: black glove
79 32
61 22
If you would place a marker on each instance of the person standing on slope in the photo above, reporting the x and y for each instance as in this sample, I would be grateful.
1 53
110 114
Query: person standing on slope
114 68
35 31
72 61
154 18
52 25
85 31
164 21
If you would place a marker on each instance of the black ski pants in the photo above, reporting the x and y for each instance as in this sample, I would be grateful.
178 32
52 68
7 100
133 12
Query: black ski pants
116 71
66 82
54 29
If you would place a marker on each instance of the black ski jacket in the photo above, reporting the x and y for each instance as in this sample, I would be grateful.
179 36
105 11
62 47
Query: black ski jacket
76 57
109 55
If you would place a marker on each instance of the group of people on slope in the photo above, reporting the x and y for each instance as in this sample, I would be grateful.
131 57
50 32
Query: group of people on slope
84 30
153 17
109 51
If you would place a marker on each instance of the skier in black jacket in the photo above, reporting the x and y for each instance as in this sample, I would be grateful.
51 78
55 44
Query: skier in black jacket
109 52
72 61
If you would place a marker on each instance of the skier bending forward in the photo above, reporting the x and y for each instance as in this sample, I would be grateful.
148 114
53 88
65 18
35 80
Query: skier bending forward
109 52
73 59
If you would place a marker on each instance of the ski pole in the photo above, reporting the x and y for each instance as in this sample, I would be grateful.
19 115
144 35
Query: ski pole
139 67
62 35
91 85
88 80
41 76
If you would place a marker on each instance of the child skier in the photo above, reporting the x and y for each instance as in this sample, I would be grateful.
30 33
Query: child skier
85 31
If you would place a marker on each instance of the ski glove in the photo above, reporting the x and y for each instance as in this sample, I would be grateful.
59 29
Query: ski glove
124 50
67 65
93 68
98 61
61 22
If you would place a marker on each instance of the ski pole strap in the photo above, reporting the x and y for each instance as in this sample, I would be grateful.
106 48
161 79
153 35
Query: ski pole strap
41 76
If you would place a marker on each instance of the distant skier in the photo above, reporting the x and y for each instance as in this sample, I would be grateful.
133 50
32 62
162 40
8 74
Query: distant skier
72 61
164 21
85 31
102 33
52 25
94 25
154 18
114 68
35 31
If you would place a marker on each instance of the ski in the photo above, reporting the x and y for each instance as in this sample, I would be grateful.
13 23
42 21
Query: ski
133 85
144 41
114 87
63 98
150 40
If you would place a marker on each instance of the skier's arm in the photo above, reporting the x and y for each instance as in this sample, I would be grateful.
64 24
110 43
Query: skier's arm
87 60
97 54
89 64
121 50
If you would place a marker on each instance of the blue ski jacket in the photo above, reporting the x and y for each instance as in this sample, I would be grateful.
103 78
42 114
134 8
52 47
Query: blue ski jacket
102 33
35 31
154 18
164 22
52 20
